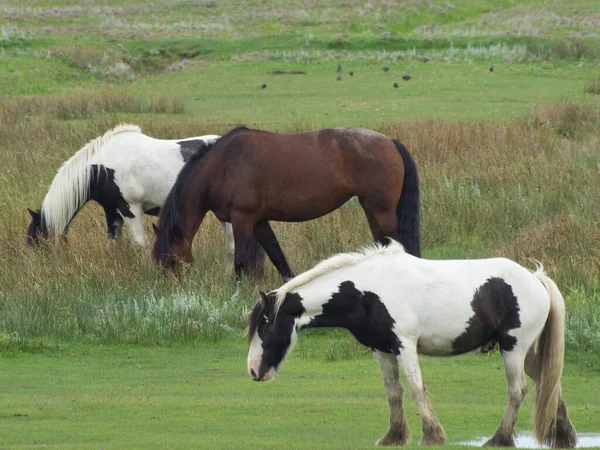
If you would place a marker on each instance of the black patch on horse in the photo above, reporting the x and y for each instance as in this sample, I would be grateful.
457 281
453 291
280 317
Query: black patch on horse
496 313
106 192
363 314
190 148
153 211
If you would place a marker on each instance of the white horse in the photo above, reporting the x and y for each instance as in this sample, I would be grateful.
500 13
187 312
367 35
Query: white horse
402 306
129 174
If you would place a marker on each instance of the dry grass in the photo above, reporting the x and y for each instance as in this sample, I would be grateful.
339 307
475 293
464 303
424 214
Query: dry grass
523 190
593 86
83 104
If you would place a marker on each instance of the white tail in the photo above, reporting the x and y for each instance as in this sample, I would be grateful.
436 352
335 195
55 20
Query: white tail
548 363
70 187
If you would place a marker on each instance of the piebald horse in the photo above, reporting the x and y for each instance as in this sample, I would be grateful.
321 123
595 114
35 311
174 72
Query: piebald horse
129 174
250 177
402 306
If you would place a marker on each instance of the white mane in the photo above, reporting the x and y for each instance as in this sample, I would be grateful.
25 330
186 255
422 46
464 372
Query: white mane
336 262
70 187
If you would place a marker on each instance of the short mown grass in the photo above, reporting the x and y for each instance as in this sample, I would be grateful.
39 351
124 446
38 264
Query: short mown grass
90 396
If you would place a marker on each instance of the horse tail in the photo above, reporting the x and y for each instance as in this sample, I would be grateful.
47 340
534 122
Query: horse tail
256 257
548 365
407 210
70 188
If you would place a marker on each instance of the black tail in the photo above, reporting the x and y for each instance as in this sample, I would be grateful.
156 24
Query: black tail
407 209
256 258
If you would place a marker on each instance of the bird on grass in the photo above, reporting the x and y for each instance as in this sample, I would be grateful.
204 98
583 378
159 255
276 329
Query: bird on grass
395 85
351 74
339 78
339 68
385 69
492 69
406 77
263 86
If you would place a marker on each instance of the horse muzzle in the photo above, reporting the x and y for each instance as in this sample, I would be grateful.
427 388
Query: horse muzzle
255 372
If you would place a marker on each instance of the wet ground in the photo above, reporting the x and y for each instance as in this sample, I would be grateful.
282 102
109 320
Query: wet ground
584 440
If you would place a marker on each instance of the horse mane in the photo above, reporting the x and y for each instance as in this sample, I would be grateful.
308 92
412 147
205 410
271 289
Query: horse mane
70 188
337 262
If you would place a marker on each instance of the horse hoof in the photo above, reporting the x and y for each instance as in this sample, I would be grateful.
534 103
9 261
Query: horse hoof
432 442
499 441
394 438
434 435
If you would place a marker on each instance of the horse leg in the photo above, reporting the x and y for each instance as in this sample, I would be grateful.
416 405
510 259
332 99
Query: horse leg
229 252
399 433
382 221
264 234
135 225
114 223
566 435
433 433
243 230
514 362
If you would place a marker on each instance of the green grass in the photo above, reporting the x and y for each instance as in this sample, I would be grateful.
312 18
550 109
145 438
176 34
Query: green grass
201 396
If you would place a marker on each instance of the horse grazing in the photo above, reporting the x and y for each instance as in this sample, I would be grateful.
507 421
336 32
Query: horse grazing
249 177
402 306
129 174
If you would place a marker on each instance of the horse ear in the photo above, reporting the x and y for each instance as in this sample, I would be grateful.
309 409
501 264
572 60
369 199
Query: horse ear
33 214
264 300
155 229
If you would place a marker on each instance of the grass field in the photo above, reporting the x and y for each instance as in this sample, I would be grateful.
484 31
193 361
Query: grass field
99 349
180 396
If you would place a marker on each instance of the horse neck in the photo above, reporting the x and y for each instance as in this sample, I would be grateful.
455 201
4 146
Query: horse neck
314 295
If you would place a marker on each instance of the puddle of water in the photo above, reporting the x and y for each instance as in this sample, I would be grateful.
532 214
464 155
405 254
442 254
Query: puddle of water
584 440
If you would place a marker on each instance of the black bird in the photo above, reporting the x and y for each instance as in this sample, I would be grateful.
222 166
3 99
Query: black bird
351 74
263 86
385 69
406 77
395 85
492 69
339 78
339 68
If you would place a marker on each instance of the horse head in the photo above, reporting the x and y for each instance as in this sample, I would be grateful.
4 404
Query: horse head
271 334
35 230
171 249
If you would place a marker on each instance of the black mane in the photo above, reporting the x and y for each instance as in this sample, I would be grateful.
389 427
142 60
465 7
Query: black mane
170 221
259 310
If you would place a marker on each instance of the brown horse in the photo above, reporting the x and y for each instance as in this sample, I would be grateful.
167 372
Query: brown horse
249 177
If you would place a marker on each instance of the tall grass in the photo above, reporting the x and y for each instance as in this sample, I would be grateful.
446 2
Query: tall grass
526 190
593 86
85 104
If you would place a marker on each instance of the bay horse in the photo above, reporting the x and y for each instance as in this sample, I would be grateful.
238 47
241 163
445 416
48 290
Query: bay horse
129 174
402 306
250 177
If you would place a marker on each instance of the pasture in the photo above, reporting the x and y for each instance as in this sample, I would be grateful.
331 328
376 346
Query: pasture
98 348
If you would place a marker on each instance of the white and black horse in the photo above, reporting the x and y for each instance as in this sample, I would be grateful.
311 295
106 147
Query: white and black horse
129 174
402 306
